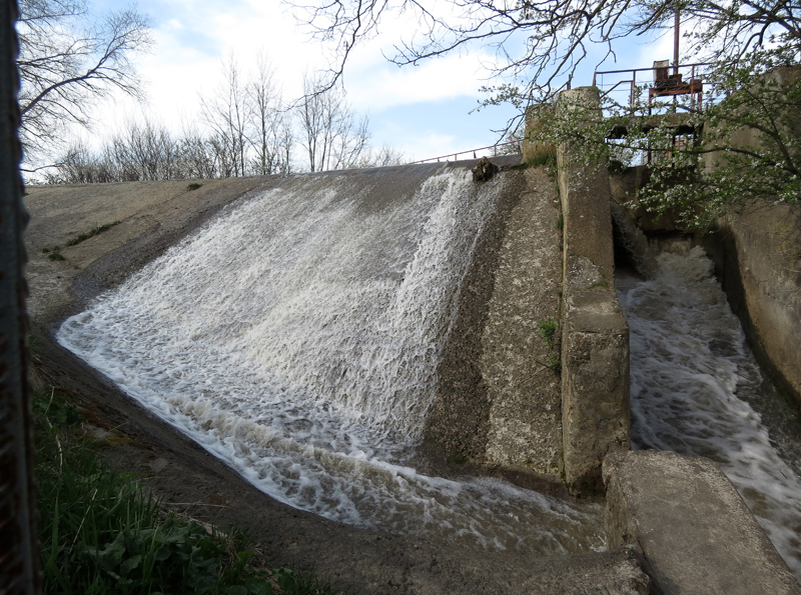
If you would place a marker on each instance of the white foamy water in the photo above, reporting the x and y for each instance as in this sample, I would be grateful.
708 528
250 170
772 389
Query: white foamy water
691 375
297 336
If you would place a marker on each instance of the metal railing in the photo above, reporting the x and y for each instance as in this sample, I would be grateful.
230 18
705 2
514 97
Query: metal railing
650 84
473 152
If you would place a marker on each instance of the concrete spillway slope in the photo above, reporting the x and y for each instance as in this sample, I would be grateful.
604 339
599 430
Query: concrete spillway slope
153 217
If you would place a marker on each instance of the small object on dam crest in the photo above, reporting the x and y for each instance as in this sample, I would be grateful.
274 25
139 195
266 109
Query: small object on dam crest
484 170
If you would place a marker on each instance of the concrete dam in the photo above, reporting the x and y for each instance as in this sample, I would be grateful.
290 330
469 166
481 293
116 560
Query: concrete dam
373 347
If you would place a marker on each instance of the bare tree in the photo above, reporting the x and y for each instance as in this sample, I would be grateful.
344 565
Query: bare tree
68 60
540 43
269 122
196 159
384 157
331 136
285 139
226 113
144 152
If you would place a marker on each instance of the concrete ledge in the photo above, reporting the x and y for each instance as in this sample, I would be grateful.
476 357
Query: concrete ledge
692 528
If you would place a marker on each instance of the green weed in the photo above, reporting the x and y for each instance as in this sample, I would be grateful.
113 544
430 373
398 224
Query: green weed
193 186
555 363
102 532
601 283
56 256
548 330
91 233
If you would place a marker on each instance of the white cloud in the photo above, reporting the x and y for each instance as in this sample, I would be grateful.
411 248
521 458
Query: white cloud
434 80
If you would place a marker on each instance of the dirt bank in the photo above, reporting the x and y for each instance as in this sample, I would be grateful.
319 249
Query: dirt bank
153 216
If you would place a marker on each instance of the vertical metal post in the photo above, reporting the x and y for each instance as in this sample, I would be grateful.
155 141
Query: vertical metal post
676 44
19 556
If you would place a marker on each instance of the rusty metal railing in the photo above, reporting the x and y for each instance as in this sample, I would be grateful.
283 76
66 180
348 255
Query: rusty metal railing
693 86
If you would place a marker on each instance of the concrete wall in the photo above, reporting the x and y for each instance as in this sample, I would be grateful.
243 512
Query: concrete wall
502 403
744 136
757 258
595 339
525 429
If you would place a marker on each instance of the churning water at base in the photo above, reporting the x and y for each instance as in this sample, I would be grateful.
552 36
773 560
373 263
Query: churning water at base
297 336
692 376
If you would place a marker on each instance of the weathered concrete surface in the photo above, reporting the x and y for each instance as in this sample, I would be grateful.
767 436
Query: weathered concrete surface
595 385
757 257
630 238
525 426
534 150
595 340
743 136
498 404
624 186
694 531
151 216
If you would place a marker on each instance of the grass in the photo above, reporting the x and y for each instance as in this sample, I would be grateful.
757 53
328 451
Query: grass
193 186
56 256
91 233
548 330
102 532
600 283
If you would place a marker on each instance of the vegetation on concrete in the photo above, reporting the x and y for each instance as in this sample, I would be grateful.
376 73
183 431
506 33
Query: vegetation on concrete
548 328
193 186
91 233
103 532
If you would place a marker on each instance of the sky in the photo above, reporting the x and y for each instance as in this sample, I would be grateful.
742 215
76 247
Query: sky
423 111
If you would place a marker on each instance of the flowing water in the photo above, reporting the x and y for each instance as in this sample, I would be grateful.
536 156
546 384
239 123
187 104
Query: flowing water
693 383
297 336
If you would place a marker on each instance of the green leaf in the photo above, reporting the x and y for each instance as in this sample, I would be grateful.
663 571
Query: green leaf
257 586
130 564
286 579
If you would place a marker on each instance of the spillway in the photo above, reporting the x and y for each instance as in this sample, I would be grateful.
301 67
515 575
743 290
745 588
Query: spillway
696 390
296 336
